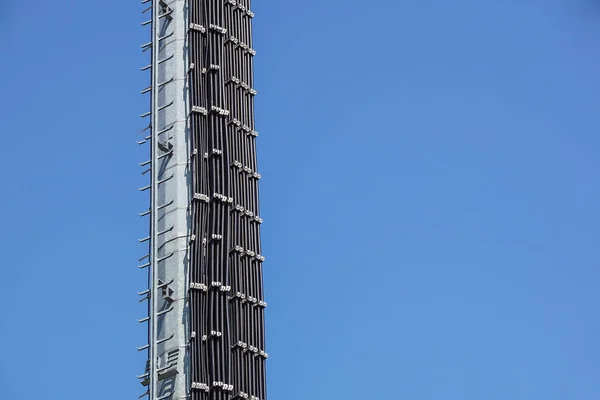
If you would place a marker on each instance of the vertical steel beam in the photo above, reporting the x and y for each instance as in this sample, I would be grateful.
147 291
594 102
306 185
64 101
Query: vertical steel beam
153 352
165 374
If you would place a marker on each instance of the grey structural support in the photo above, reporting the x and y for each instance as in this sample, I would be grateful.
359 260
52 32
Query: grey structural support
205 297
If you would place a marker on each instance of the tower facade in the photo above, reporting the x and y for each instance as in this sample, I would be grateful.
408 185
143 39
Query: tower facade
205 297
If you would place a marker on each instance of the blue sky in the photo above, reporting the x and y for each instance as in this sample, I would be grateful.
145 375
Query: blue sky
429 191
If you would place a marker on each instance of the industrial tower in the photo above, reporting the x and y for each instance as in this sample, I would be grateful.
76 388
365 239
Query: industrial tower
205 297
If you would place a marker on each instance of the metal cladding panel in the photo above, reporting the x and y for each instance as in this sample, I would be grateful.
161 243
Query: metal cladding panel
206 301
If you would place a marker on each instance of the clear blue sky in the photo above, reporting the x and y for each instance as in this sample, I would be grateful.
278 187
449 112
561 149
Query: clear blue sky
430 194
